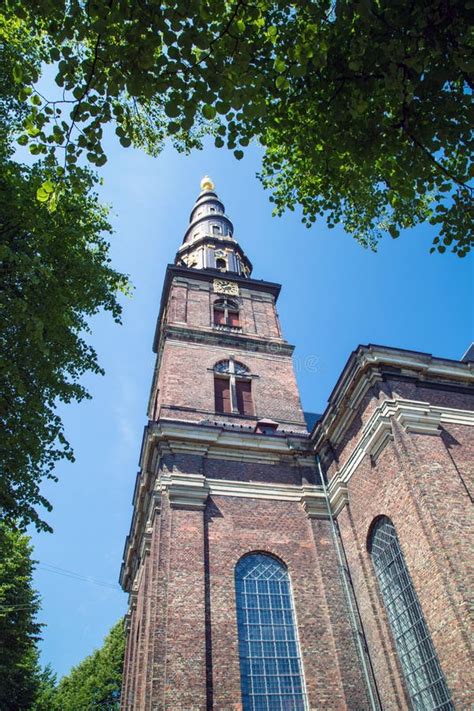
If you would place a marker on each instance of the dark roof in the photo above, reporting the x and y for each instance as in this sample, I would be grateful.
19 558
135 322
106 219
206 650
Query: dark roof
311 418
468 356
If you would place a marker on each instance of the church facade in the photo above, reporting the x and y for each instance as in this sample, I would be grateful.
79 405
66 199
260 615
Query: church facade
274 564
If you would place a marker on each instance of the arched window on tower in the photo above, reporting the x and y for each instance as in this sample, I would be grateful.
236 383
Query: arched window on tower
270 661
226 313
424 679
232 388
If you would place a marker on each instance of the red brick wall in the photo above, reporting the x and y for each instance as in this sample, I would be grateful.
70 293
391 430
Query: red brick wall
421 483
186 380
238 526
184 388
191 302
194 559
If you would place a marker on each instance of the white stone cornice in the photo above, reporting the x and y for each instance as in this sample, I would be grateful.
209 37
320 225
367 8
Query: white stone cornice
369 364
414 416
146 542
314 502
452 416
188 491
419 362
181 486
191 491
154 507
338 497
221 443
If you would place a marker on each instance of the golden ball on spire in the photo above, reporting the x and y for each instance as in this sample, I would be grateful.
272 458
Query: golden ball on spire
207 183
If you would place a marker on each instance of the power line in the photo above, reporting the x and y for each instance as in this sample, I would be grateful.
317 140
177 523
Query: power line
9 608
48 567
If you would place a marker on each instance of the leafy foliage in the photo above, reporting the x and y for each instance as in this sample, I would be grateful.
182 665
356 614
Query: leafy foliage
55 274
96 682
45 697
19 631
363 107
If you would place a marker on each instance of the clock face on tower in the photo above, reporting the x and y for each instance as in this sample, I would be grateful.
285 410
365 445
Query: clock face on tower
226 287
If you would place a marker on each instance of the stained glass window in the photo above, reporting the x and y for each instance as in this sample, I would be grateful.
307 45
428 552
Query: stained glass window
270 661
424 679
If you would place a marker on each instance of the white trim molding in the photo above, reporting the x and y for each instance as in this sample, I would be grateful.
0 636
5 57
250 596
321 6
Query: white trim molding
371 364
218 442
338 497
192 490
414 416
187 491
314 502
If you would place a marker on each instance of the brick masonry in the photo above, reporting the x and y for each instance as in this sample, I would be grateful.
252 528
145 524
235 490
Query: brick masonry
422 482
182 642
188 645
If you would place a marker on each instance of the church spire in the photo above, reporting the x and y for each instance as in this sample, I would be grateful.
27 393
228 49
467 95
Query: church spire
209 239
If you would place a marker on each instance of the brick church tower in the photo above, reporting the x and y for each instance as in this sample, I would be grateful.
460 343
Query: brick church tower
228 516
256 582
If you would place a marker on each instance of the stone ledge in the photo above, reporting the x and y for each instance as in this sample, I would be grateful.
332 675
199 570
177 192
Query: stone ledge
416 417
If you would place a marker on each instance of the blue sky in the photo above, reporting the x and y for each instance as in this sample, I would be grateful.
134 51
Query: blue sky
335 295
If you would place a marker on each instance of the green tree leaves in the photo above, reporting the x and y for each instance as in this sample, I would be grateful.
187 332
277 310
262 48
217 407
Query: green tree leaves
96 682
55 274
45 191
384 87
19 630
209 112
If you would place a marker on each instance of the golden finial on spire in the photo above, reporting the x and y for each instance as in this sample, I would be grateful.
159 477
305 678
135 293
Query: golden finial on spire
207 183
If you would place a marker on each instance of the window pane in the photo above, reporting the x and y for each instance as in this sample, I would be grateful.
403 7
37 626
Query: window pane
244 401
233 318
424 679
222 395
219 317
270 669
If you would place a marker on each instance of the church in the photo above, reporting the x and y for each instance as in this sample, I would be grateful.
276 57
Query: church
283 562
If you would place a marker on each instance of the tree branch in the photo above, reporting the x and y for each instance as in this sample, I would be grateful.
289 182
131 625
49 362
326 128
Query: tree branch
435 162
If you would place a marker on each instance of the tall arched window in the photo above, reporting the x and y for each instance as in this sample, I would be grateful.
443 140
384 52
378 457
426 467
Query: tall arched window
270 661
424 679
232 388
